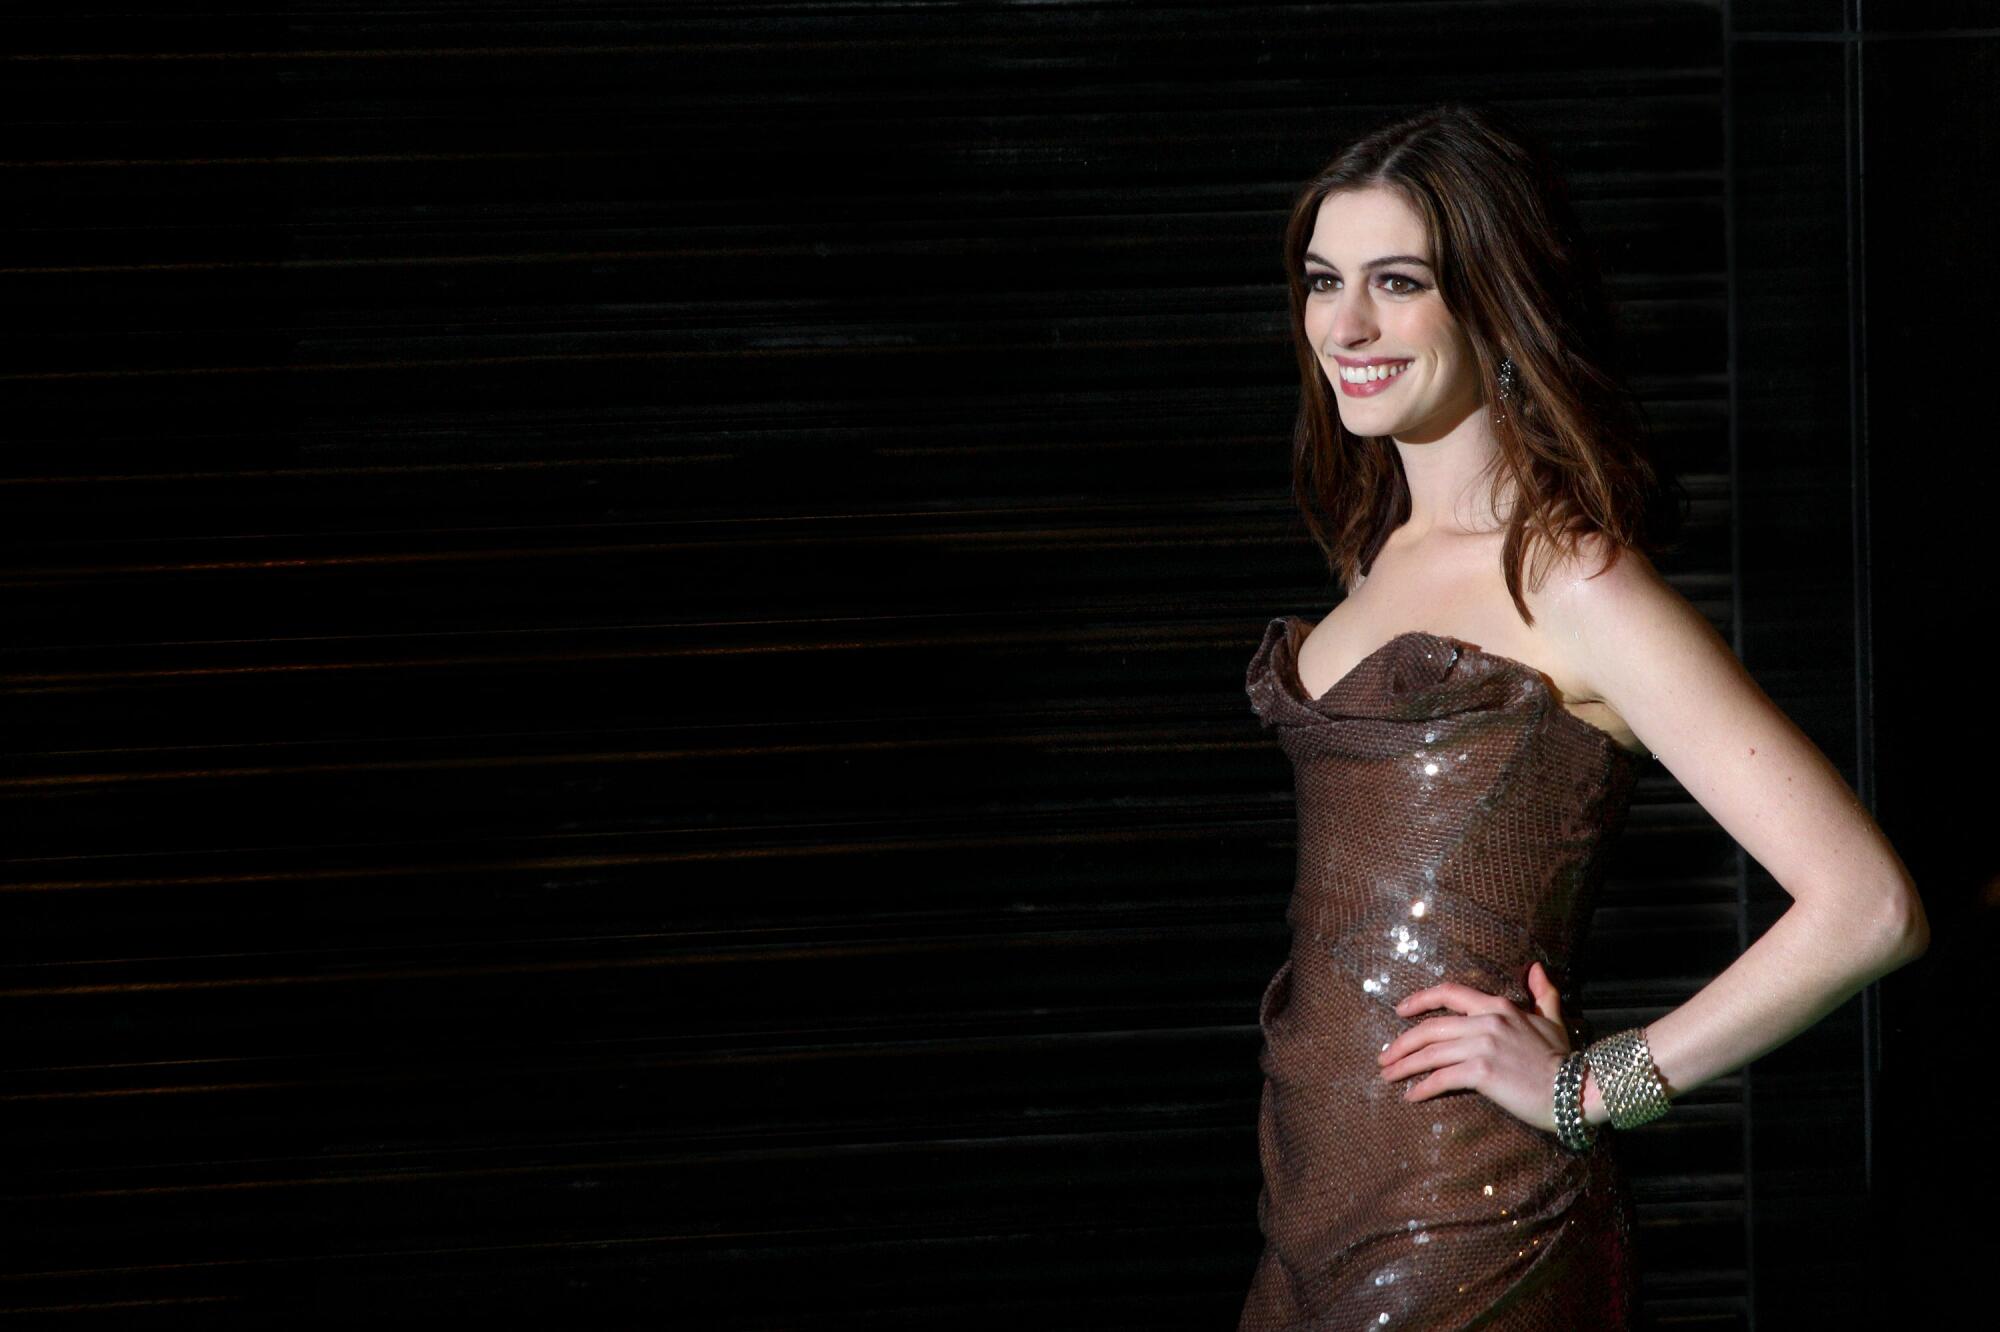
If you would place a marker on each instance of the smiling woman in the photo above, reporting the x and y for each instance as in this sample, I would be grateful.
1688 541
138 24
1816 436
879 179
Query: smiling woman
1465 742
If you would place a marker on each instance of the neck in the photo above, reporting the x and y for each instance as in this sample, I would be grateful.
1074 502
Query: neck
1450 478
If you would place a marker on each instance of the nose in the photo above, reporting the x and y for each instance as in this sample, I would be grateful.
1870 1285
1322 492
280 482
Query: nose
1354 322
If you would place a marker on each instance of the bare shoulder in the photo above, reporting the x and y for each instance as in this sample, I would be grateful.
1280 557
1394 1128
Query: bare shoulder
1604 590
1642 647
1626 636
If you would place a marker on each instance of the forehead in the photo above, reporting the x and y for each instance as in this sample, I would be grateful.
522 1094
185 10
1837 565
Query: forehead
1355 226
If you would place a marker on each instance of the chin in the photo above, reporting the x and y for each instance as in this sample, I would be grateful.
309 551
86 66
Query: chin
1373 425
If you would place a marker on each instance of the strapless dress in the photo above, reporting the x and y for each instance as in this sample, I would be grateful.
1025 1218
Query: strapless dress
1453 825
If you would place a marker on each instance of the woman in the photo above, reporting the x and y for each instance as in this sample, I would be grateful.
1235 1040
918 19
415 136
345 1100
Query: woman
1465 728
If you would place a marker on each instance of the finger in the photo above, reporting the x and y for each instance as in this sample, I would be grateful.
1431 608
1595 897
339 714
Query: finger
1424 1033
1548 1000
1459 998
1437 1056
1452 1077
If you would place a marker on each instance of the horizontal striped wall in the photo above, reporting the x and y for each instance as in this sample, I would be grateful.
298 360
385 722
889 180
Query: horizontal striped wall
626 638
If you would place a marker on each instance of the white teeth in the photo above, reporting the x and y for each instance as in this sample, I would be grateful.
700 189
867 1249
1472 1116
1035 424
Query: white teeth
1369 373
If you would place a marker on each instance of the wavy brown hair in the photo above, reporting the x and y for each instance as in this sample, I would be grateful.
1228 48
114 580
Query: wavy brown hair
1516 270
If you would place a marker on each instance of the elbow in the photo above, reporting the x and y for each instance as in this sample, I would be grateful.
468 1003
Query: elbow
1920 939
1910 934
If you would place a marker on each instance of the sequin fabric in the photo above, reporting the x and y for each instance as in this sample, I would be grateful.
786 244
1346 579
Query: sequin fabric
1452 824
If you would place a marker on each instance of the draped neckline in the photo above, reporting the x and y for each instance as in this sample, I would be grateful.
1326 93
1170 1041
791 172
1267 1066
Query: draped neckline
1288 672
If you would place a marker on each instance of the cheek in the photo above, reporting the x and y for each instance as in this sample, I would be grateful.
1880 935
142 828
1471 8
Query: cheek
1448 344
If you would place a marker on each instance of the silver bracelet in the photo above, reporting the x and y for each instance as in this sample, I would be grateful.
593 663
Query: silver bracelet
1572 1130
1631 1087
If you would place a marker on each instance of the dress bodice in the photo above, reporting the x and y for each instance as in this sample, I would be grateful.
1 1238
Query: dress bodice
1432 763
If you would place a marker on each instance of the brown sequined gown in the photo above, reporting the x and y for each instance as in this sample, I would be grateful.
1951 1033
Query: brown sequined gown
1453 819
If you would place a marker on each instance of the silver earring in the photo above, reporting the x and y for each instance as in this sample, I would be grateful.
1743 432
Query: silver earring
1506 383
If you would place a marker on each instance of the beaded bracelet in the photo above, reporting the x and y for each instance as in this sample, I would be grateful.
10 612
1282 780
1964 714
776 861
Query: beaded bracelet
1572 1131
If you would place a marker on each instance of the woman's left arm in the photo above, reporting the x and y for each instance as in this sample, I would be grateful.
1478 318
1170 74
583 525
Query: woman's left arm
1855 913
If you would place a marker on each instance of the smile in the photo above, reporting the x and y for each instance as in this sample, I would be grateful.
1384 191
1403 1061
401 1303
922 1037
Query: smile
1366 381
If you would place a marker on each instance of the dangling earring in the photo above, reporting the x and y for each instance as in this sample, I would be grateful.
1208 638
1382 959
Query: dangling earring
1506 383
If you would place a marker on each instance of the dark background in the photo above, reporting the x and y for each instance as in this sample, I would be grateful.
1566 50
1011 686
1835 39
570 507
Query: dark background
626 626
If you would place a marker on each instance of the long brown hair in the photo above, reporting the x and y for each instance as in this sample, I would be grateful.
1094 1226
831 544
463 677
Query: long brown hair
1516 270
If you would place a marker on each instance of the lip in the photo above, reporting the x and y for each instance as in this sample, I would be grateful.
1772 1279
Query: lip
1369 390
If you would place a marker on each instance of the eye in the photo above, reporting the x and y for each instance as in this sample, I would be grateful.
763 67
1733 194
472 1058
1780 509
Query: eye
1410 285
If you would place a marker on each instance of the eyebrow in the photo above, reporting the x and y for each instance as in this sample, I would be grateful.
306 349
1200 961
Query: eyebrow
1374 264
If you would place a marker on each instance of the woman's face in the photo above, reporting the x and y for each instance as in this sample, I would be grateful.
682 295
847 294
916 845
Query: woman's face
1361 310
